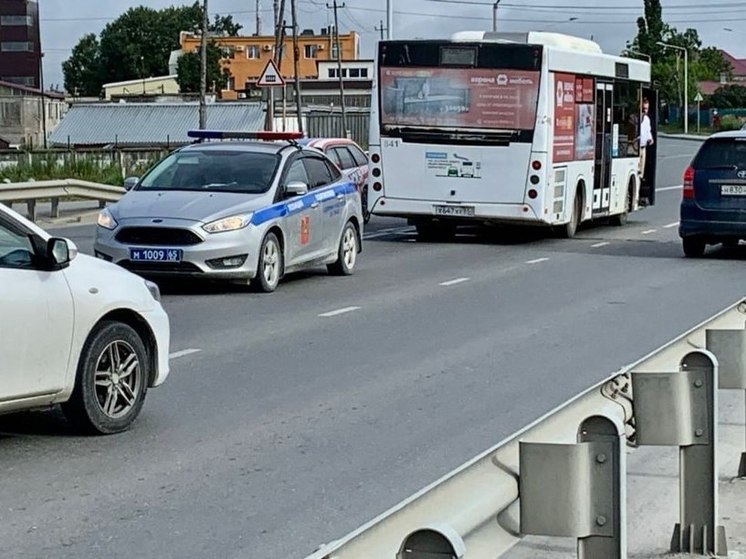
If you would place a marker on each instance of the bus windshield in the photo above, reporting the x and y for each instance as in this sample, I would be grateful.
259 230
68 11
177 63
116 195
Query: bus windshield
458 85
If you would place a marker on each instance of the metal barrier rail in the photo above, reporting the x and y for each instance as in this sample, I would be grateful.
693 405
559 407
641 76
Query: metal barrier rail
564 475
31 192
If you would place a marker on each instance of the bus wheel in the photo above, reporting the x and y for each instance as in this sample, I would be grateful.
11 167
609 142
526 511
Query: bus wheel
568 231
621 219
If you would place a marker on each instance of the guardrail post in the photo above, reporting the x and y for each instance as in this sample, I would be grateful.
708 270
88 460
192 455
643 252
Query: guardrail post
55 207
680 409
577 490
31 210
729 346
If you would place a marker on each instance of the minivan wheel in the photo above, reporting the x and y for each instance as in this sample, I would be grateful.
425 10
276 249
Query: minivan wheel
694 247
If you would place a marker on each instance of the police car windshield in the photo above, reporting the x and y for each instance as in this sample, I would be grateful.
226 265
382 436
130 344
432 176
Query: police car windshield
213 171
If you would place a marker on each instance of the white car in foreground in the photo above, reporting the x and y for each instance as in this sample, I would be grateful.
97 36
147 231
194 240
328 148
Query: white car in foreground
76 331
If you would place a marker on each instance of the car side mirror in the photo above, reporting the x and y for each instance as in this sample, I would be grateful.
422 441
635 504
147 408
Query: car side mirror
131 182
296 188
60 252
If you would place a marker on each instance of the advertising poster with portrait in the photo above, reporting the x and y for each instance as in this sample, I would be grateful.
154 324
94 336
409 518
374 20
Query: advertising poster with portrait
459 98
564 118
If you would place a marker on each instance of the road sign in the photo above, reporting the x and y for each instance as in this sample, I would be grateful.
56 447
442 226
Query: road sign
699 97
271 76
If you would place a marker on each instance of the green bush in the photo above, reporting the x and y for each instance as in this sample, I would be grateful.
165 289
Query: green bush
730 122
88 169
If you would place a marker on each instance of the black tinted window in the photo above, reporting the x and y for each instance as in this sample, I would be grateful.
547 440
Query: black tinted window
345 158
333 170
359 156
318 172
297 173
722 152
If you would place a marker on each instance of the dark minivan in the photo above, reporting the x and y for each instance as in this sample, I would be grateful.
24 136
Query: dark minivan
713 206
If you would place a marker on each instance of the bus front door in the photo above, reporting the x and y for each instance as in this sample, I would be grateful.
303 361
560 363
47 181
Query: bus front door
647 186
602 174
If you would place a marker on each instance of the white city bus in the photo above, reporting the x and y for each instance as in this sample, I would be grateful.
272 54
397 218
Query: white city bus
536 128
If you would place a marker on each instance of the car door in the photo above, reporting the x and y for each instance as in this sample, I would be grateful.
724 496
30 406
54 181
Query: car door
36 319
303 224
325 176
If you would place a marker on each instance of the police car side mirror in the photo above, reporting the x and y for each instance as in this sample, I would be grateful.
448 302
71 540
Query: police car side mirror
296 188
130 182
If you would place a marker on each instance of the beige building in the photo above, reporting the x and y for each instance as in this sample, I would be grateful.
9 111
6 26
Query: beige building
26 114
159 85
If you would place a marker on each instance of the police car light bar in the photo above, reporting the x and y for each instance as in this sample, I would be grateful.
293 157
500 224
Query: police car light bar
239 135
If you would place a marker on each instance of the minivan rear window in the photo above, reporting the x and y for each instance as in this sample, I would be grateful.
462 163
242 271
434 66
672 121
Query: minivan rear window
719 153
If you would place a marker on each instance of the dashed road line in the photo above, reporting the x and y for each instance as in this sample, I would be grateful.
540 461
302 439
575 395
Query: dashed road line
338 312
456 281
671 225
667 188
537 261
183 353
649 232
599 245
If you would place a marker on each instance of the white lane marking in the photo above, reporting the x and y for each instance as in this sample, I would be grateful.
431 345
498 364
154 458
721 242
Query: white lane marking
599 245
680 156
388 232
537 261
183 353
338 312
454 282
667 188
671 225
649 231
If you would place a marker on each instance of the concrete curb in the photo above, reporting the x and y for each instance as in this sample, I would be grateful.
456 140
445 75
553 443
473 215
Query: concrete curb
687 137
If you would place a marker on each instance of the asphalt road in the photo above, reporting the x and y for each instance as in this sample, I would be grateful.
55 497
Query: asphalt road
287 423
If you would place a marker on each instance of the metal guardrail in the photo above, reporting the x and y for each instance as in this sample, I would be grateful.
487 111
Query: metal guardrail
564 475
54 190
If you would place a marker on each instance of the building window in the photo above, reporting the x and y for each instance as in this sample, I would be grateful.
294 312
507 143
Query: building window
28 81
363 72
252 52
17 46
16 21
332 72
311 51
354 72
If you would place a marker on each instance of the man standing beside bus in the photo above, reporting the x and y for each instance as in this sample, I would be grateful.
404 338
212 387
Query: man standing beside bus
646 136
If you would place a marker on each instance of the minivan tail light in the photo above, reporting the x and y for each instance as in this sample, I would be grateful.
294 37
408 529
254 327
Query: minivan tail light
689 183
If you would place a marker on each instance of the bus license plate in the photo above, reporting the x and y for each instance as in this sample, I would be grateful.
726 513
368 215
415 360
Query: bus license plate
459 211
155 255
733 190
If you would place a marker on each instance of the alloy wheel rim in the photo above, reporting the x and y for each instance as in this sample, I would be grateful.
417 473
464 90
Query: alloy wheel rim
270 263
117 379
349 248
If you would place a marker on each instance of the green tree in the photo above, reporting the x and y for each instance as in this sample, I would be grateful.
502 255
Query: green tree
729 97
138 43
190 64
82 69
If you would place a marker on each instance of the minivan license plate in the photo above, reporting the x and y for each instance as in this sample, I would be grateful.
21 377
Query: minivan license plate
155 255
733 190
459 211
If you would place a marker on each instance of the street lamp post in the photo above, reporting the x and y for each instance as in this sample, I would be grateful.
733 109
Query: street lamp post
686 81
569 20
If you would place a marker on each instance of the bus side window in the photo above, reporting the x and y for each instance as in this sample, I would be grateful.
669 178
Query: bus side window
626 116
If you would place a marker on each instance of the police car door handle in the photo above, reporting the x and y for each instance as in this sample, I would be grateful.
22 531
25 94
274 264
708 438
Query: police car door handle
340 196
315 205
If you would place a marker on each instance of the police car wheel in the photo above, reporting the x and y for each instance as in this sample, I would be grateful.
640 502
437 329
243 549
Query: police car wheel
347 252
269 270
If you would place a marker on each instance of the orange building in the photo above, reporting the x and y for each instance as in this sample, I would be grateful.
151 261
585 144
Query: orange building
248 55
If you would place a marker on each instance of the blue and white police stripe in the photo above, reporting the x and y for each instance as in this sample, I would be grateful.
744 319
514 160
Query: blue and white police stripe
297 205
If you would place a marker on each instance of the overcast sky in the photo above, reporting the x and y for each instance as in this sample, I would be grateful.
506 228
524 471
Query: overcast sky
611 23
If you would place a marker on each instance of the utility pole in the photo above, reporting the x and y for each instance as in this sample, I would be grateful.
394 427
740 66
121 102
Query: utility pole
494 15
258 17
382 29
389 19
296 64
276 10
203 69
335 6
279 6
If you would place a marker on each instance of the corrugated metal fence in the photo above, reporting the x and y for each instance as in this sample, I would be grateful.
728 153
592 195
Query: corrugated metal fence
329 125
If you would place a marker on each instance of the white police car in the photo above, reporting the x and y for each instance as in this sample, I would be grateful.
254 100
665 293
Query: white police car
239 210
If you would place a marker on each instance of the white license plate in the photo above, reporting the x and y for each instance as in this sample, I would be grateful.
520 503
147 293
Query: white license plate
733 190
155 255
457 211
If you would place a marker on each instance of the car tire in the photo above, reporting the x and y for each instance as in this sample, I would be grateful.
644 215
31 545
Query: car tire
346 253
111 381
621 219
730 244
270 267
694 247
429 231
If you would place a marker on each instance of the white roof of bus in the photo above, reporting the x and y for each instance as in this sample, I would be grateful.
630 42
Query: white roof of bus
557 40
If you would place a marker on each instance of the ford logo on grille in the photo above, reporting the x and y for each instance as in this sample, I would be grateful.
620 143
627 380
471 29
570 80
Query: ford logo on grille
157 221
742 174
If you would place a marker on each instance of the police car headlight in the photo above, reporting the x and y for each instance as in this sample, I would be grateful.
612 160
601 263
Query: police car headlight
106 220
232 223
